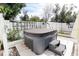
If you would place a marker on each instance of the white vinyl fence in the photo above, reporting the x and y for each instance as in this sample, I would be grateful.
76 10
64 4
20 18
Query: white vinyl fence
31 25
60 26
24 25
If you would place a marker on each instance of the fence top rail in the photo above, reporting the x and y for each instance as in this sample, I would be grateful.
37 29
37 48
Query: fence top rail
26 21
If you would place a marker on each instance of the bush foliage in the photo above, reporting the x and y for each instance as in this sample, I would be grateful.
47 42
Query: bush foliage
13 35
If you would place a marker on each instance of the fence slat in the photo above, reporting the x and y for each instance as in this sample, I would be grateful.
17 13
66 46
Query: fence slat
27 25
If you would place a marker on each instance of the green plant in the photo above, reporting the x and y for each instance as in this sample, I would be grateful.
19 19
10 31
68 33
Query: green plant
10 10
25 18
64 14
56 12
35 19
0 41
1 45
43 20
64 33
13 35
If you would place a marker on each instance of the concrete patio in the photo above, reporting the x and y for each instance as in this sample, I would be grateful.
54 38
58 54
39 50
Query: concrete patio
72 48
72 45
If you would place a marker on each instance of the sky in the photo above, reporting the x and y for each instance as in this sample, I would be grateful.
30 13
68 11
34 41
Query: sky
36 9
39 1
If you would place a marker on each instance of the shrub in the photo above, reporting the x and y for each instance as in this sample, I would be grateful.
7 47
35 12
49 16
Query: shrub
1 45
13 35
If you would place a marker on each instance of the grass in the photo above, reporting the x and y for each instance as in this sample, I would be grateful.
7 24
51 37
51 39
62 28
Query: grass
64 34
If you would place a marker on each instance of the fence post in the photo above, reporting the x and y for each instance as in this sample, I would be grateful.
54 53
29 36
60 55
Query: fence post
12 25
3 36
24 26
17 25
21 25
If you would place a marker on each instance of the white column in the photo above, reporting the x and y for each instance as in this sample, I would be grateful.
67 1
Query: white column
75 31
3 35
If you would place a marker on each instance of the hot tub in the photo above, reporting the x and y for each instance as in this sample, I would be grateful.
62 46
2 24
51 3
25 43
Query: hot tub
38 39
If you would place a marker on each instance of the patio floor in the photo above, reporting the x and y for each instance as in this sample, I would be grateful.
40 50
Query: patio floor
72 48
76 50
